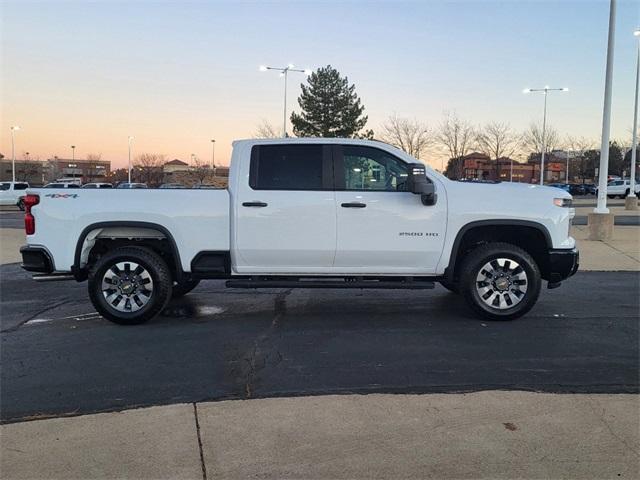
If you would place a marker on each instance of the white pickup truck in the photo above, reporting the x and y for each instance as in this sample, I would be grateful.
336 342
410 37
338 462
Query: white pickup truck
308 213
12 193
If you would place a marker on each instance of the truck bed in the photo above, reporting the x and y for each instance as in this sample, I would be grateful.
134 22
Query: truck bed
197 219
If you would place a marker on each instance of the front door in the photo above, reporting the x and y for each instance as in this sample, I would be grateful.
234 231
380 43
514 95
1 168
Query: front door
285 211
383 228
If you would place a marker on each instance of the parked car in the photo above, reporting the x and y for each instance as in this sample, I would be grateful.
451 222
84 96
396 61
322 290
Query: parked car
172 185
620 188
590 188
11 193
563 186
577 189
304 213
132 185
97 185
61 185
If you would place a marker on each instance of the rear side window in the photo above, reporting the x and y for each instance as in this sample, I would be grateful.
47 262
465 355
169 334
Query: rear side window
286 167
105 186
90 185
21 186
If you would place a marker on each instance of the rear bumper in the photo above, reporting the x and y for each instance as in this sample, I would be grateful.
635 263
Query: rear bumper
36 259
562 264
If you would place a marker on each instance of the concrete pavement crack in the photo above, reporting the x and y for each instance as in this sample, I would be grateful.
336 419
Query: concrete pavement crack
600 415
202 464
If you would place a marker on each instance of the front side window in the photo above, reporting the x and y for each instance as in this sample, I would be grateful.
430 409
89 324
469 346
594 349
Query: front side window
368 168
90 185
5 186
287 167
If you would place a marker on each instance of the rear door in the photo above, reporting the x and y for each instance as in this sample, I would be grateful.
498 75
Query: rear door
383 228
285 213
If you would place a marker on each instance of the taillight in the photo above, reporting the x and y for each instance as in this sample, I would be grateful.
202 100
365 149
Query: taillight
29 220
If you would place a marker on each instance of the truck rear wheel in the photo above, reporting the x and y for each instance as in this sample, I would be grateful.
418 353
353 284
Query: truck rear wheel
130 285
500 281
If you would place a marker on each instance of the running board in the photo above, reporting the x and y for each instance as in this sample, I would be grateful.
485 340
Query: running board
388 284
52 277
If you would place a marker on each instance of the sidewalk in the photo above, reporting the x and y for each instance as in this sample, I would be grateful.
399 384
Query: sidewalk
479 435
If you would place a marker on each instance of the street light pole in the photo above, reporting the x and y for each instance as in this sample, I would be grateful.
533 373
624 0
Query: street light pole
129 176
73 153
545 91
566 175
213 155
606 115
13 152
284 72
633 203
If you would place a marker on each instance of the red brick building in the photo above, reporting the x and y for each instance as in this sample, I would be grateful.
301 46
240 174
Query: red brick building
478 166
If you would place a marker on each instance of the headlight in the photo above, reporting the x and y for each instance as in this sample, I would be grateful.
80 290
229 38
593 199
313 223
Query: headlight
563 202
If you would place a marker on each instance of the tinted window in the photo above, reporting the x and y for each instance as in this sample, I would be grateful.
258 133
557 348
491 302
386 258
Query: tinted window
286 167
105 186
90 185
368 168
53 185
73 185
5 186
21 186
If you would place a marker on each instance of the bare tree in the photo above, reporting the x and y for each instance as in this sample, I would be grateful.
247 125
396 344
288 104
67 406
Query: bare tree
91 171
200 171
533 140
266 130
149 168
497 140
578 161
409 135
456 136
94 157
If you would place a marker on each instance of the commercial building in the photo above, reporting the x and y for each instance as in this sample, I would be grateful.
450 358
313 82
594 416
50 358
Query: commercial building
83 170
478 166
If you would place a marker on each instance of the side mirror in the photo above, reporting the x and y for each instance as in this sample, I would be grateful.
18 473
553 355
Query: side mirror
418 183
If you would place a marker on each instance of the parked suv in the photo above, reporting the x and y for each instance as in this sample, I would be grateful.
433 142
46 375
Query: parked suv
620 188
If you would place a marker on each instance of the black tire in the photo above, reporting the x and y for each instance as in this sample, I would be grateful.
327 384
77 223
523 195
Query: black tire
181 289
474 263
452 287
611 196
155 268
20 205
626 194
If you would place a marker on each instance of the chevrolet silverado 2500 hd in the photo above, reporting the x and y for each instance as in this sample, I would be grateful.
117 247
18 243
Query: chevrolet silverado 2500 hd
309 213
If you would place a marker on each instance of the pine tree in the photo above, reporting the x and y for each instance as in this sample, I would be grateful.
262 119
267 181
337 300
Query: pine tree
330 107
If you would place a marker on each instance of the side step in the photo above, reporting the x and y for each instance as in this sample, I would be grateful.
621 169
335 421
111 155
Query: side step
52 277
411 284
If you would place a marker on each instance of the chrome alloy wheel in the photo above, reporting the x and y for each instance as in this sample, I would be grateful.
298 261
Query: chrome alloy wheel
501 283
127 286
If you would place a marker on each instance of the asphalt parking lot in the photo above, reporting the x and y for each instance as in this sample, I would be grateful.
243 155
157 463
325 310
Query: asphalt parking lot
60 358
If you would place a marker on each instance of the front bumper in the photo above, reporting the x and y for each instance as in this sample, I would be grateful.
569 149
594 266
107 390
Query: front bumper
36 259
561 264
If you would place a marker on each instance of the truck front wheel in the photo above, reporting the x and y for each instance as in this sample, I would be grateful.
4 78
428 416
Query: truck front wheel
130 285
500 281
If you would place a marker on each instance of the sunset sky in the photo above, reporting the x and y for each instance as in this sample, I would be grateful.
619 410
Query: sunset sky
176 74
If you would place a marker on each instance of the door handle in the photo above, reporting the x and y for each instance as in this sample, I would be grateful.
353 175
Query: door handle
354 205
254 204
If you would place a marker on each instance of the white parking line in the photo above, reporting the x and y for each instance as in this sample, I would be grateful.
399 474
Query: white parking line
78 318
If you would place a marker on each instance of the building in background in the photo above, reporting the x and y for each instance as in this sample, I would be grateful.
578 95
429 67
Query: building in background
85 171
478 166
30 171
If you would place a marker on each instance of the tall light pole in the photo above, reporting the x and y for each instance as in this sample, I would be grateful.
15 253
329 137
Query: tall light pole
129 176
284 72
14 129
633 203
566 175
545 92
73 152
213 156
606 116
